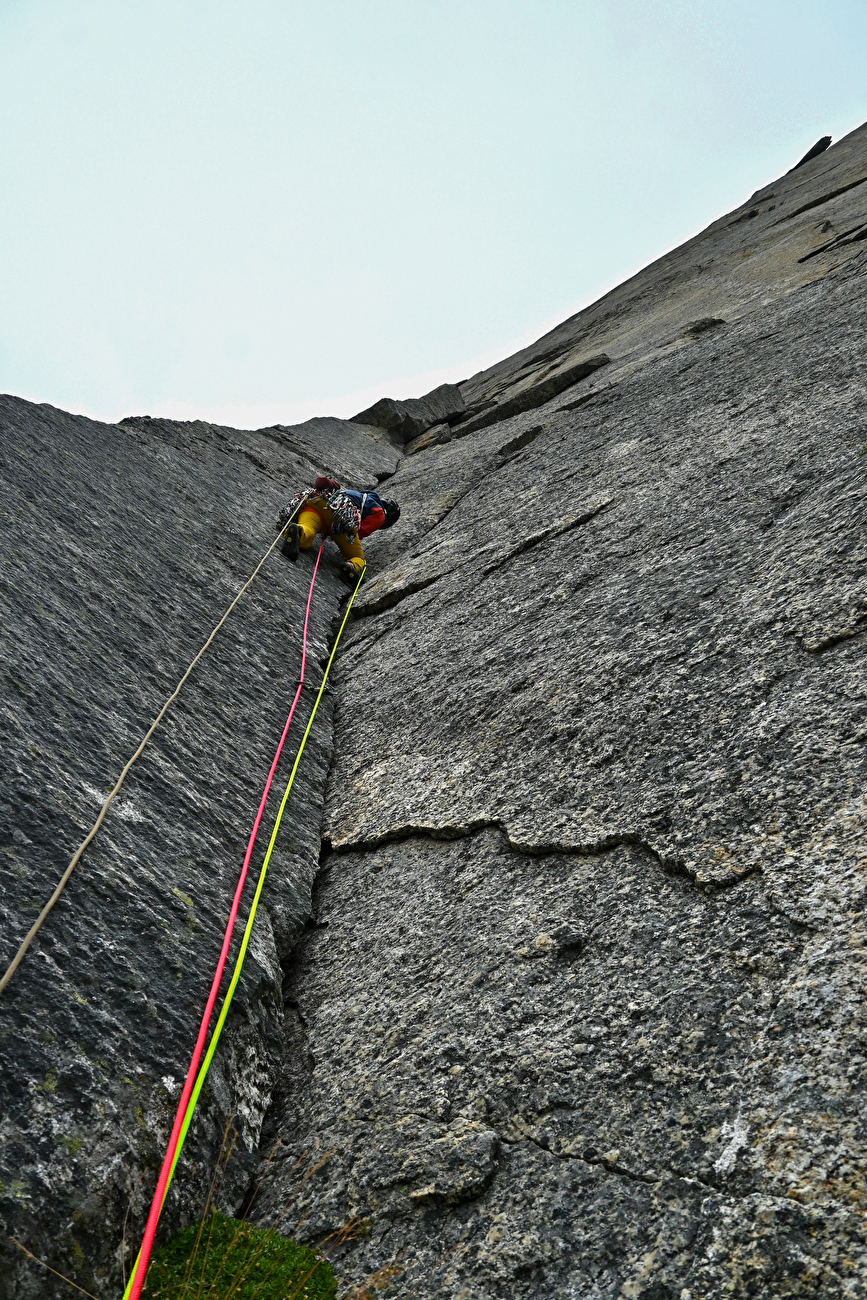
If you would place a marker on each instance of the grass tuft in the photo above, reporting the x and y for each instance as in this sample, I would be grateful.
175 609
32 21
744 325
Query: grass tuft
228 1259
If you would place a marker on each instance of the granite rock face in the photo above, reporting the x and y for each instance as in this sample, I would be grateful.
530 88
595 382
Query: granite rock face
787 235
123 546
560 990
406 420
583 1011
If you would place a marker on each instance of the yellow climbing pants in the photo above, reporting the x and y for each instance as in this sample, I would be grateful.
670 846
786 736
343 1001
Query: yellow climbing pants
316 518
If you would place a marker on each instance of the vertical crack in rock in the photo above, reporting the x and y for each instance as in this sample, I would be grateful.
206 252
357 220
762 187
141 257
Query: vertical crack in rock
517 1114
477 1019
125 545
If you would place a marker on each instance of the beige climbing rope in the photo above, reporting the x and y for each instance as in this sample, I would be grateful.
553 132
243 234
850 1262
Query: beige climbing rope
32 932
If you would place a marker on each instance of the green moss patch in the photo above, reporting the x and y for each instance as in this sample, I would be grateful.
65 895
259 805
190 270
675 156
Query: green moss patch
226 1259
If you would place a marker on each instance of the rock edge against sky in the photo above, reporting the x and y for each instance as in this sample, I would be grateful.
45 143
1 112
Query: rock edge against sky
559 983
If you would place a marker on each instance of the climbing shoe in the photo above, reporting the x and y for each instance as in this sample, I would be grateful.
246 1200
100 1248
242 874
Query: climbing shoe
349 575
291 540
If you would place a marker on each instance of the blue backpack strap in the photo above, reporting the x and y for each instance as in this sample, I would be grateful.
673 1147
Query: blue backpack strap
365 501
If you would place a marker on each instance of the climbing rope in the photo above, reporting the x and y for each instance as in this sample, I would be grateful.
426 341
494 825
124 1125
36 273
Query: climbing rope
186 1107
32 932
230 924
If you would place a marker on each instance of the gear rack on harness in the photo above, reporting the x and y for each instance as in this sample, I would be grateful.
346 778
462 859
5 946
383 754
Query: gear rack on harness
343 514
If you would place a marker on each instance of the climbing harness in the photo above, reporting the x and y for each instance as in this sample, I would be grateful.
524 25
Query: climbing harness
190 1092
32 932
346 515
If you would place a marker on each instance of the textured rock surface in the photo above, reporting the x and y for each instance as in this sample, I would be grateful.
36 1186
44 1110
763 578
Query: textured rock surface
786 235
585 1016
538 1076
579 1011
406 420
124 544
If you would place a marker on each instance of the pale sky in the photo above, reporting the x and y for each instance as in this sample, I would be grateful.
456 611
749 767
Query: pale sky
253 211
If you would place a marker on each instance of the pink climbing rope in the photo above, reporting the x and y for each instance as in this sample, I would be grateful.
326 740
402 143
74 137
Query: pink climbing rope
165 1171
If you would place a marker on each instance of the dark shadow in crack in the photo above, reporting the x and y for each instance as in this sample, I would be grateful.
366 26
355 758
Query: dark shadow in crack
585 848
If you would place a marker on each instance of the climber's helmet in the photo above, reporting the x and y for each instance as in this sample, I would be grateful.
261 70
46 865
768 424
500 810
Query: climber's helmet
392 513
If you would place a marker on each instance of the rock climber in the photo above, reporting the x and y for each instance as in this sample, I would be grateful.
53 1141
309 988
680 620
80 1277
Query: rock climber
340 513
